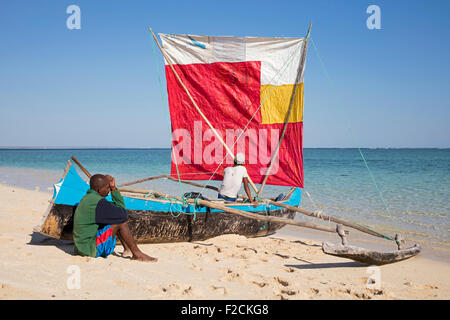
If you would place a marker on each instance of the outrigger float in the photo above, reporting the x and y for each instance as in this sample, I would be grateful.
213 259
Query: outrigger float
235 80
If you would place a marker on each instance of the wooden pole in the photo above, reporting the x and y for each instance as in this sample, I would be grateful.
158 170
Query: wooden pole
286 121
196 106
200 185
292 222
81 167
172 179
120 189
143 180
325 217
249 215
254 216
132 190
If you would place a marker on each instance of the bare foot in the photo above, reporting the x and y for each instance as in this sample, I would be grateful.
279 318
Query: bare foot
143 257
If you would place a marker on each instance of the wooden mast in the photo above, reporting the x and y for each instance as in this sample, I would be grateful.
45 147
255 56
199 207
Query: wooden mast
196 106
286 121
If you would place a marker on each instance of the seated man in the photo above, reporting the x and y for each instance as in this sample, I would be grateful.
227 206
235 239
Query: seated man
232 179
98 221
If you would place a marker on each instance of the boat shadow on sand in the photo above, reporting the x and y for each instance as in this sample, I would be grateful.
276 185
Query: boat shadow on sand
311 265
308 265
38 239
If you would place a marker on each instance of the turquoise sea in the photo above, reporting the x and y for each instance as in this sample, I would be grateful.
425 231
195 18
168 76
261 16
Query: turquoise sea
411 193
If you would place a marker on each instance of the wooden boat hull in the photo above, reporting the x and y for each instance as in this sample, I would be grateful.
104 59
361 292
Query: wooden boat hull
159 221
160 227
368 256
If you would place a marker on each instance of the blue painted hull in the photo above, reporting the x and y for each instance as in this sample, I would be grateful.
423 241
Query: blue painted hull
154 220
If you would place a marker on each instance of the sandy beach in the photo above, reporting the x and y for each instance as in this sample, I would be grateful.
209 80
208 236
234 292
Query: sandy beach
227 267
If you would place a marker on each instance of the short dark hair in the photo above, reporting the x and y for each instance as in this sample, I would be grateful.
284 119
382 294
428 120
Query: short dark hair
98 181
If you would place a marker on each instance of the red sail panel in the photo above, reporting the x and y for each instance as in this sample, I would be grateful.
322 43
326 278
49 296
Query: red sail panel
229 95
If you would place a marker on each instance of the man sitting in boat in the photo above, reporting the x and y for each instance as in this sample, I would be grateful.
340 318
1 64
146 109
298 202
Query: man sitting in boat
97 222
232 179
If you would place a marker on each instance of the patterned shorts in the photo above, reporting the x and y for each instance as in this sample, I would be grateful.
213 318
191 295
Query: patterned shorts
105 241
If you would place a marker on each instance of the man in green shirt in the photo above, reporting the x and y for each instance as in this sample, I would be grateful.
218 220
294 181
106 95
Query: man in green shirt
97 222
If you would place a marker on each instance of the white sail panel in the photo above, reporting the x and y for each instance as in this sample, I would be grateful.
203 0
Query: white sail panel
279 57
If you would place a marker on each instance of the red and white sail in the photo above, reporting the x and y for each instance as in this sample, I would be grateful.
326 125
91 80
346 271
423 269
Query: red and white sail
244 87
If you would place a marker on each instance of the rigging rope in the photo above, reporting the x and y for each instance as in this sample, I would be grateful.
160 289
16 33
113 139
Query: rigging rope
278 74
389 214
318 212
184 205
181 207
164 103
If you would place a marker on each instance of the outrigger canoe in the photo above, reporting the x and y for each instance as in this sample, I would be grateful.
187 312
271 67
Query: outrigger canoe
159 220
218 87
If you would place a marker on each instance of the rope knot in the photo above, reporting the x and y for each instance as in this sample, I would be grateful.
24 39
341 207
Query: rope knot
185 204
319 214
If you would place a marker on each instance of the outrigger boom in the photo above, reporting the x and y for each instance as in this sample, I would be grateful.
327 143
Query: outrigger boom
342 250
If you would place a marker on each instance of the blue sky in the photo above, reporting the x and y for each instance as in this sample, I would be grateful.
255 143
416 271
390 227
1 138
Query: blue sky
98 86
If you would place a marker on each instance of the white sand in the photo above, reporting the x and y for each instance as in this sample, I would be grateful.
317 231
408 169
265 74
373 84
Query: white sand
225 267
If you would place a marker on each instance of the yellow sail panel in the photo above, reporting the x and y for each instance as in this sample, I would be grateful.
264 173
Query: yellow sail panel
275 102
